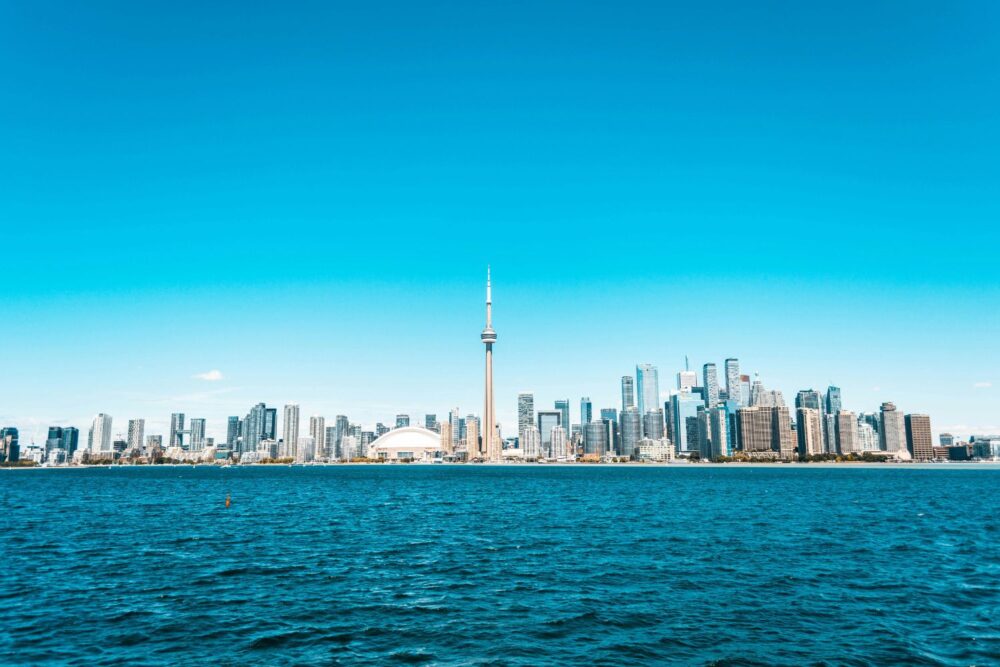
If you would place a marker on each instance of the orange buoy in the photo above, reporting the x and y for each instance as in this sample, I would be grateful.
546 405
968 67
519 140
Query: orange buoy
228 501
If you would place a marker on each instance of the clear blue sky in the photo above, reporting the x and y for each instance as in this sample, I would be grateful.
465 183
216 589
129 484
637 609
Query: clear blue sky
306 199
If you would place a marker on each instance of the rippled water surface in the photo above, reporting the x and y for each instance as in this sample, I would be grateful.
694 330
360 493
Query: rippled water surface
501 565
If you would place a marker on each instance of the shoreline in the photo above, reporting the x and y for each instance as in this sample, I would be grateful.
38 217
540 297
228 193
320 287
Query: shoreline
943 465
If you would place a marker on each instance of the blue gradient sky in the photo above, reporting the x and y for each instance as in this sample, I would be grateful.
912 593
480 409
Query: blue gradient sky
306 201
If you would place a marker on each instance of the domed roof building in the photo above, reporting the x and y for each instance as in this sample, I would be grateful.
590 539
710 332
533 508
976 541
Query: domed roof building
406 443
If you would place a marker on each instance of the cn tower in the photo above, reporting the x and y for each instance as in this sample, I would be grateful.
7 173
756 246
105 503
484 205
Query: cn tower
491 446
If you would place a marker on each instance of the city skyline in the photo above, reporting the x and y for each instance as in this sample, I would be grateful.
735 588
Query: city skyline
813 195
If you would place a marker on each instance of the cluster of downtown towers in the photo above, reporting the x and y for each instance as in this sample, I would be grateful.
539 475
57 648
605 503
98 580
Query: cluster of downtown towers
702 415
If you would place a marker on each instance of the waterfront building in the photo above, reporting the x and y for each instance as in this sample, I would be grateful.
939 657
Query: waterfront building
562 405
99 439
867 437
176 429
472 448
720 435
946 439
647 388
658 451
703 425
10 445
530 443
447 445
525 412
755 430
710 381
628 392
271 423
809 431
918 437
136 433
381 429
630 426
547 420
233 433
431 423
684 406
70 441
652 425
783 436
586 410
733 390
348 447
834 402
342 426
559 448
892 434
291 429
196 429
491 444
53 441
846 431
305 449
595 439
317 431
402 421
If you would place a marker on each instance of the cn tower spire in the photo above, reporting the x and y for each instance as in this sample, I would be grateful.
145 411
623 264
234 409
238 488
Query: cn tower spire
491 446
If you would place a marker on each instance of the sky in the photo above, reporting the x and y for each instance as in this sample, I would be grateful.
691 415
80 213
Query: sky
208 205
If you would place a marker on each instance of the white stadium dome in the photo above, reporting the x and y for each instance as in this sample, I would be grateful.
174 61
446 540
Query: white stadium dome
406 442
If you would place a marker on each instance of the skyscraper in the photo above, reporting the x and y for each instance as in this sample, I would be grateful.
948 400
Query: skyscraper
100 434
196 428
317 431
631 430
472 439
290 435
232 433
834 403
489 337
271 423
733 390
755 431
531 442
254 425
684 406
847 432
10 445
586 410
628 392
720 437
343 429
525 412
652 425
918 437
558 447
711 383
892 434
810 431
562 405
687 380
176 429
647 388
136 433
595 438
402 421
547 420
431 422
70 440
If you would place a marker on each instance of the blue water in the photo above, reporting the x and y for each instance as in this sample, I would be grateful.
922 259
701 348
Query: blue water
501 565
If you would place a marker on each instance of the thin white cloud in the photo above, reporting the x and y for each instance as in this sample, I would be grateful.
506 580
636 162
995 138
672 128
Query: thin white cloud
983 385
213 375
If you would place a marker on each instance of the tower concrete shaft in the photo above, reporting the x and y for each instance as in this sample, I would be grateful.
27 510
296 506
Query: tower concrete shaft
491 444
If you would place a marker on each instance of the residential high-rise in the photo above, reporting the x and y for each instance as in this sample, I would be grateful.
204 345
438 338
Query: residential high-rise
290 435
70 440
254 428
176 430
755 430
100 434
472 446
547 420
489 337
892 434
558 448
530 442
343 429
847 432
647 387
305 448
683 406
733 390
586 410
271 423
10 445
456 428
447 445
808 398
810 431
628 392
720 436
631 430
867 437
782 435
232 433
946 439
562 405
402 421
136 433
317 431
918 437
431 422
330 443
525 412
710 377
196 428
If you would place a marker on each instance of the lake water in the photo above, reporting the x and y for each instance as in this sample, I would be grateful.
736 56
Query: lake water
527 565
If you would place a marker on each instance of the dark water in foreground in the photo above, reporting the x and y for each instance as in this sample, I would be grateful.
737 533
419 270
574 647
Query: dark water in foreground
495 565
